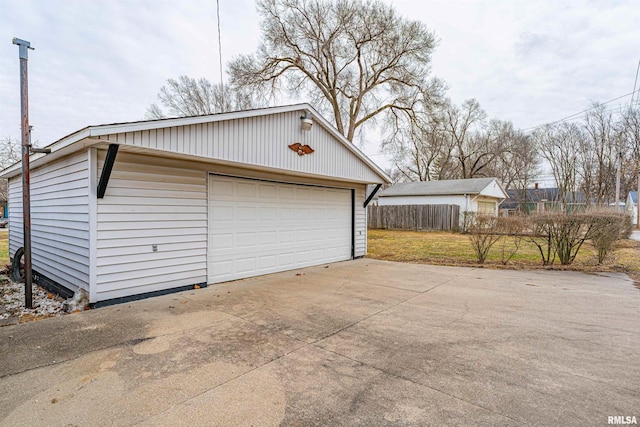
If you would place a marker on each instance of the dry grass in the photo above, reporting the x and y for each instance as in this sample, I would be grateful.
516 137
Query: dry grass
4 247
455 249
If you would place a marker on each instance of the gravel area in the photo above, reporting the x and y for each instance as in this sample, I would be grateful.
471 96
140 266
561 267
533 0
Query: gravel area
45 304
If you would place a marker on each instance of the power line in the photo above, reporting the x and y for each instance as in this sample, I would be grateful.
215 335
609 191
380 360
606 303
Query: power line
219 43
576 115
635 82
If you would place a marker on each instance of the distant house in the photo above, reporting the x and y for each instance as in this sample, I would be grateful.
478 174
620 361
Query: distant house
542 199
478 195
631 206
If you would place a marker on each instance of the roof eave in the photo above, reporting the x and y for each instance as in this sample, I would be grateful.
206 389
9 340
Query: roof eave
102 130
38 159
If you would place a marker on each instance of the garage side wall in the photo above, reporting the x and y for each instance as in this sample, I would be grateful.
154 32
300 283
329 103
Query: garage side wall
59 220
151 228
360 229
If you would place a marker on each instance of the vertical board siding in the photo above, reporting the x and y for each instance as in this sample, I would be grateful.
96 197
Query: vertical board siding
59 220
260 141
414 217
360 223
150 203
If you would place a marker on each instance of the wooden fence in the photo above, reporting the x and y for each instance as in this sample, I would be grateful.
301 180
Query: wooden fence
414 217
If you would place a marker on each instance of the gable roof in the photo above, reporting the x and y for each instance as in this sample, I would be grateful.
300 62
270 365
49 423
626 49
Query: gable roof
634 196
91 135
536 195
439 188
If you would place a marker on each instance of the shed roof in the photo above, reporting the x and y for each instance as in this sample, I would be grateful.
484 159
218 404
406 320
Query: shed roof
91 135
438 188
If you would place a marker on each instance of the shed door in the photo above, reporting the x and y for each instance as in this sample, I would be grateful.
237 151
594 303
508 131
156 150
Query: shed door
486 208
259 227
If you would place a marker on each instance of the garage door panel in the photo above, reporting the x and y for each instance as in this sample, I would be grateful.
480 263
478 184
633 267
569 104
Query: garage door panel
246 189
259 227
268 192
222 242
268 238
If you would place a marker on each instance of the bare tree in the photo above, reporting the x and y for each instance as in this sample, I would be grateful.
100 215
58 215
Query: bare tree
10 153
559 145
356 60
628 130
519 163
477 145
186 96
599 155
452 142
462 126
418 147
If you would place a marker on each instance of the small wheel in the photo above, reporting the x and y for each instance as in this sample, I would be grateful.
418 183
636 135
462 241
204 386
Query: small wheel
17 268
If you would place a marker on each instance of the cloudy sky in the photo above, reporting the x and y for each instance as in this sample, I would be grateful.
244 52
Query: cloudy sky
103 61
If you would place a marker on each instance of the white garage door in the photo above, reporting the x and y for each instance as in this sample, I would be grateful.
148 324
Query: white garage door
259 227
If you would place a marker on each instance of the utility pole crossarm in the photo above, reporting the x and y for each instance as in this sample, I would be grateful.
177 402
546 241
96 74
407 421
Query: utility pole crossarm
24 47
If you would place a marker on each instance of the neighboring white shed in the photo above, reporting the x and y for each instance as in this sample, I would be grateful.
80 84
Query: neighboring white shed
631 206
478 195
144 208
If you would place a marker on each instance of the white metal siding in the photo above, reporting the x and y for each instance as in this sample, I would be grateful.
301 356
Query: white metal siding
59 220
259 227
259 141
150 202
493 190
360 229
459 200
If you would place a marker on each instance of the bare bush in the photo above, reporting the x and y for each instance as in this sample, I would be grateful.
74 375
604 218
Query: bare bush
540 235
569 232
627 227
512 231
483 233
561 234
607 228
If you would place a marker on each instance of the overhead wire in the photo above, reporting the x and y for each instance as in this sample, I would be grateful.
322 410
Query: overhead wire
579 114
635 82
219 43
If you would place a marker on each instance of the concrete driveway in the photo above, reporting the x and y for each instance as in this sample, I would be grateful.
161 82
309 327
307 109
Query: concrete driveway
356 343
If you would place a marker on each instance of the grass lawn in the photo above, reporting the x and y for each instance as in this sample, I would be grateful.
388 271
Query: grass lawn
455 249
4 247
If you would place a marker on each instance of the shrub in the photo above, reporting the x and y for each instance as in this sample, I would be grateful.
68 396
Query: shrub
483 233
607 228
627 227
568 233
539 227
511 229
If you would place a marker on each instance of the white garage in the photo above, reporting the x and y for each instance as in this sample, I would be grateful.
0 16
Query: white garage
138 209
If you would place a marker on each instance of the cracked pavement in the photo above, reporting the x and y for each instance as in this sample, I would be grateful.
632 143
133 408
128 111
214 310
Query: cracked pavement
363 342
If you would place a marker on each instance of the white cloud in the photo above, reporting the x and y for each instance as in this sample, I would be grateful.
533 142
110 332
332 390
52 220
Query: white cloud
102 62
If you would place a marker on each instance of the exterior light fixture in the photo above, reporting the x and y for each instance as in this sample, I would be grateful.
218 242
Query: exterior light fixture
306 121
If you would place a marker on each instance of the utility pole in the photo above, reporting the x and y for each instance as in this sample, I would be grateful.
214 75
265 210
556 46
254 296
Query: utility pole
618 171
24 47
